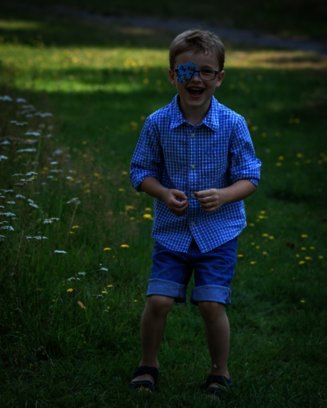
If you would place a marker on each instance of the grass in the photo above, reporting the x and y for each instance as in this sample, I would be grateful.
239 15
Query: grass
289 18
100 83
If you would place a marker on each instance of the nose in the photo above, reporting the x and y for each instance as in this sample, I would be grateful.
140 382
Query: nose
196 76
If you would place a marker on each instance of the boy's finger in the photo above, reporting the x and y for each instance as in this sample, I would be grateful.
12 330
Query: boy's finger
179 194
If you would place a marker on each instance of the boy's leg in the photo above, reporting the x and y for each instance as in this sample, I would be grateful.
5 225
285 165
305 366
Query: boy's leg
217 332
153 325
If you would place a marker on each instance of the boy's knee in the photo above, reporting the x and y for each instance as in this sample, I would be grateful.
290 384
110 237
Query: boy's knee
160 304
211 311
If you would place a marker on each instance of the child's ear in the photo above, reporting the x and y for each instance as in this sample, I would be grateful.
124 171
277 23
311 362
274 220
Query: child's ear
220 77
172 77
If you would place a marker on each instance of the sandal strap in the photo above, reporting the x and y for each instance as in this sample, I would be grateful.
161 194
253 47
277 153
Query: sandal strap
218 379
147 370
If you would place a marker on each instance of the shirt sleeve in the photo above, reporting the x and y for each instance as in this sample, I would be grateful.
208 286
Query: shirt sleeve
242 159
147 157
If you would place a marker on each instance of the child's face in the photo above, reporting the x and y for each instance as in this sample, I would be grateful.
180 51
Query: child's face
195 93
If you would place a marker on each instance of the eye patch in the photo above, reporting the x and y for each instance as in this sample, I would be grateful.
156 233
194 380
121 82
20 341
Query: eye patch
185 72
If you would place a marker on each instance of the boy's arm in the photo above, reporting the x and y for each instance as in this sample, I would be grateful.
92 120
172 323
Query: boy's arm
212 199
151 186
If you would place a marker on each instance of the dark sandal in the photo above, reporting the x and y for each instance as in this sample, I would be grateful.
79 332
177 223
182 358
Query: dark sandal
145 383
223 385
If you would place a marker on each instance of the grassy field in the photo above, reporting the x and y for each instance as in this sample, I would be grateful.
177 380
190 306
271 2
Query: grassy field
289 18
70 321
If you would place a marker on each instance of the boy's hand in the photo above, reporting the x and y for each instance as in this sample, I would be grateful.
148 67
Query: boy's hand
176 207
212 199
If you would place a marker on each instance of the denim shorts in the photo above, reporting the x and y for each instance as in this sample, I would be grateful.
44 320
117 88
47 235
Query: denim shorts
213 273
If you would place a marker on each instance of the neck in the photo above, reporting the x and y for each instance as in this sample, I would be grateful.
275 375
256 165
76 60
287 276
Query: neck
194 115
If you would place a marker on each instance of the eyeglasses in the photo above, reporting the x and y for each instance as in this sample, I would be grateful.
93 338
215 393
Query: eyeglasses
204 74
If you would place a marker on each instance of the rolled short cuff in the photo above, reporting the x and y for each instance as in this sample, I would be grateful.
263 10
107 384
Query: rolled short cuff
209 293
167 288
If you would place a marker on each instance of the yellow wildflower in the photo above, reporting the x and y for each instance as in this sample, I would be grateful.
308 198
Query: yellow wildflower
240 255
75 226
124 246
265 235
301 262
70 290
107 249
147 216
252 262
109 286
304 236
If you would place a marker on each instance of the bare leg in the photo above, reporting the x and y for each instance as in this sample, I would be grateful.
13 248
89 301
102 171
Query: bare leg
153 325
217 332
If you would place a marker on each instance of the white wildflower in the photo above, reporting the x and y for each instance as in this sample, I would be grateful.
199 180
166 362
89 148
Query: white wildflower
33 205
104 269
18 175
20 100
30 133
50 177
20 196
11 202
46 114
82 273
5 143
73 200
7 227
9 191
48 136
30 200
47 222
28 237
54 163
5 98
60 252
40 238
28 116
13 122
3 158
68 178
1 206
30 179
2 238
26 150
8 214
3 222
57 152
31 173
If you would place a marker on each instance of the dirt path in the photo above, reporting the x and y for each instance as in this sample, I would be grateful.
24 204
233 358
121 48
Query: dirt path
258 38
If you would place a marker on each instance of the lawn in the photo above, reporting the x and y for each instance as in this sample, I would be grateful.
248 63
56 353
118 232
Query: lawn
76 249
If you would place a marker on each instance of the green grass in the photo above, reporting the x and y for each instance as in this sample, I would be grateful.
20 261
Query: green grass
289 18
100 83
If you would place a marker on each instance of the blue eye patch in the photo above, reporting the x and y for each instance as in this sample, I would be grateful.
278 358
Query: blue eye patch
185 72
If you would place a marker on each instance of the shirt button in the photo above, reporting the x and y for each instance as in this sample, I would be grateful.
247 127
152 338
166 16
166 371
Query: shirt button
193 166
192 224
193 196
192 135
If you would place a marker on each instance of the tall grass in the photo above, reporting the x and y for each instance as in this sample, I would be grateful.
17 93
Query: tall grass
70 322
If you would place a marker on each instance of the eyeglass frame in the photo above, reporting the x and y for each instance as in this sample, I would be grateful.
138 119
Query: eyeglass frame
199 71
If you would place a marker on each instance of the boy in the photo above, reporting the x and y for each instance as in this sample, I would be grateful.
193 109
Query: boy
196 158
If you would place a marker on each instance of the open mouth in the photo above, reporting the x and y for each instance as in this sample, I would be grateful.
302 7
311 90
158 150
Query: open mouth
195 92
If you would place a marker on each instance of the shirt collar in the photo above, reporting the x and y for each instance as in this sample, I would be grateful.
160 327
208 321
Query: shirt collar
211 120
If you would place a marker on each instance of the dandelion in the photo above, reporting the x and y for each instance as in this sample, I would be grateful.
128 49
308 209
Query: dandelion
135 300
254 128
299 155
121 189
60 252
303 249
148 209
142 117
271 237
257 247
81 304
253 262
264 253
70 290
75 226
304 236
312 247
107 249
280 158
320 257
302 301
278 164
265 235
132 218
124 173
109 286
104 291
307 258
124 246
301 262
147 216
251 224
240 255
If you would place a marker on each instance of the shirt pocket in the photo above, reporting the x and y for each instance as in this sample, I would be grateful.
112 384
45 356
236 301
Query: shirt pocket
214 163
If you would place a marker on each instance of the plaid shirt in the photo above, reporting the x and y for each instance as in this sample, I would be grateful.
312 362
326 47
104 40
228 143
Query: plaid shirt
213 154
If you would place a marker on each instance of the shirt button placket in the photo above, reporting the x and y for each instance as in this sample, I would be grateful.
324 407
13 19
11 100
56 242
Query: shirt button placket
193 176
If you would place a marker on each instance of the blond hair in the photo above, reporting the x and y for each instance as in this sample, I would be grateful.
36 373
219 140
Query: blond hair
199 41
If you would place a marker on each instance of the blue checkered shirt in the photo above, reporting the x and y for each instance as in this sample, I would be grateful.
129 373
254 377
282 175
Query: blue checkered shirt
213 154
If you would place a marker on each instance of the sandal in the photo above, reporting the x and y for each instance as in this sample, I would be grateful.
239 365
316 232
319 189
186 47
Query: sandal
223 384
145 383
